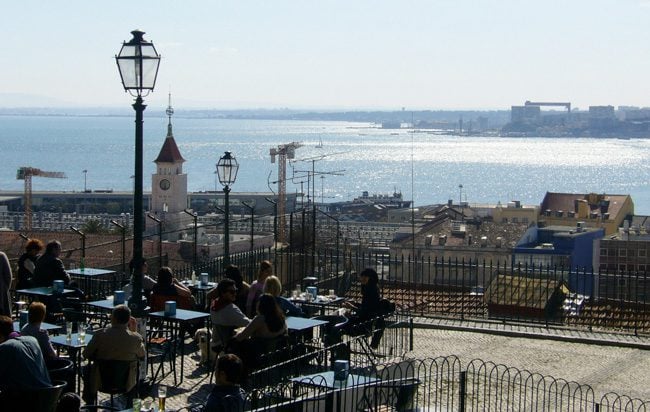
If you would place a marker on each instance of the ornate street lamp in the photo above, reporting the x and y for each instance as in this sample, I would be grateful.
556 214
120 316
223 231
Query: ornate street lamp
138 64
227 168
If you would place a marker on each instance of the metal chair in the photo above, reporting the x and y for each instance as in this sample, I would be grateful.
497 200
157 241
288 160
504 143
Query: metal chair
114 377
42 399
61 369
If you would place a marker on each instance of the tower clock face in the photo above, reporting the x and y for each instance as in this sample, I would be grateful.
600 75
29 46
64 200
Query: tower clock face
164 184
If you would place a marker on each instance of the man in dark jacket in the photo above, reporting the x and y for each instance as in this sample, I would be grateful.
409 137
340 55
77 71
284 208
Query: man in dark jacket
49 267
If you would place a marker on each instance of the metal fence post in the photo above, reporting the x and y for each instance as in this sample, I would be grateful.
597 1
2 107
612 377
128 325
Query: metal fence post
463 391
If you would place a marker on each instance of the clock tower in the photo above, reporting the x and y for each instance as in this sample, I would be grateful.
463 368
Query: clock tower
169 183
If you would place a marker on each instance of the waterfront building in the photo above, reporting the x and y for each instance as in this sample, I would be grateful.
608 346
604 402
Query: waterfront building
593 210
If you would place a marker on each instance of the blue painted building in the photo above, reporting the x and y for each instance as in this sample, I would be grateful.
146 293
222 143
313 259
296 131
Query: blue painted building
562 247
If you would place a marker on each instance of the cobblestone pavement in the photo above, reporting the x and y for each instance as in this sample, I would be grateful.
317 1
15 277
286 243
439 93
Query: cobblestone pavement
605 361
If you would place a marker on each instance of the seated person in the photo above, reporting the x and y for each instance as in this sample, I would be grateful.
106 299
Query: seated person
120 341
257 287
225 315
50 268
36 316
22 366
369 307
147 282
227 396
273 287
232 272
259 337
27 264
167 285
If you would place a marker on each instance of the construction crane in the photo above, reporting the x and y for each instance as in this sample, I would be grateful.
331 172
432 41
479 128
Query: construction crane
26 173
284 152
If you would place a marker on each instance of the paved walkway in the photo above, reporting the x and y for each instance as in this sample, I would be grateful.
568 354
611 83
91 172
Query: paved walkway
605 361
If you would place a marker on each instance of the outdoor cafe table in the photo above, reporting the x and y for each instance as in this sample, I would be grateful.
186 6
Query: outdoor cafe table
320 304
74 347
298 324
91 279
325 380
180 320
44 325
43 291
199 290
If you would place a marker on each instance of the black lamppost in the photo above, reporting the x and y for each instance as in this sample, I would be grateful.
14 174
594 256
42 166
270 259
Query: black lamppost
82 262
275 220
227 168
138 64
160 228
123 236
252 209
195 216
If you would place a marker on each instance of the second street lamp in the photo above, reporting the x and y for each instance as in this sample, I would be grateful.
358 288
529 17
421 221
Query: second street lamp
227 168
138 64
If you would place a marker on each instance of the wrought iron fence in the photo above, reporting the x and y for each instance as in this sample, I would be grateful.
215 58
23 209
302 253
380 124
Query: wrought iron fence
435 384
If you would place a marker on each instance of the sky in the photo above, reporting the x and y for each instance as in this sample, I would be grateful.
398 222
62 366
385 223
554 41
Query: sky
332 54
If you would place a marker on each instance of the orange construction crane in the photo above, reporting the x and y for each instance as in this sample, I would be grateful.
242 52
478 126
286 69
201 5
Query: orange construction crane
284 152
26 173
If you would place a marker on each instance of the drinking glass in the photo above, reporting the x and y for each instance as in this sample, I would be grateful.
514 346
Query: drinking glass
331 293
162 395
82 332
68 330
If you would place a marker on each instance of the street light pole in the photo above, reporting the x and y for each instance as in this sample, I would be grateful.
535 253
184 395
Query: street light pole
83 246
252 209
123 233
227 168
275 220
138 64
195 216
160 225
85 172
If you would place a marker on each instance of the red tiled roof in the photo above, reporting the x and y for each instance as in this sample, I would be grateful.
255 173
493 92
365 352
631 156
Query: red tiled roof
169 153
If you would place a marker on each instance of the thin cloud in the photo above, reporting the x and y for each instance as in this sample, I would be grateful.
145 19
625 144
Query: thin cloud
223 50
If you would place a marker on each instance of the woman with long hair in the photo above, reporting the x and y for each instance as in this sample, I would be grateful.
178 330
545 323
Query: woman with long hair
269 322
369 306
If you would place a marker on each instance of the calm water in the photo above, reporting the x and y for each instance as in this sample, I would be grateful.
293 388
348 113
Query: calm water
490 169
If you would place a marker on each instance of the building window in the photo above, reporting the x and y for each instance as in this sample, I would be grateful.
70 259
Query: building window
642 253
603 251
622 252
504 220
641 268
515 220
524 220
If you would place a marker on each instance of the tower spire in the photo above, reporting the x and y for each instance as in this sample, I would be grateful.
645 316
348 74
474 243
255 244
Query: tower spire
170 112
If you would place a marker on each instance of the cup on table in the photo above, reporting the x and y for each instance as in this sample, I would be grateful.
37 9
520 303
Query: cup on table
298 288
332 294
82 333
118 297
170 308
68 330
341 370
146 403
24 318
294 294
204 279
313 291
58 286
162 395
